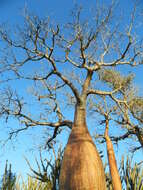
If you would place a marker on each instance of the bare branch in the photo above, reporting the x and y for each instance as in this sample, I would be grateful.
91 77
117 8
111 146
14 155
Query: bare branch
100 92
69 83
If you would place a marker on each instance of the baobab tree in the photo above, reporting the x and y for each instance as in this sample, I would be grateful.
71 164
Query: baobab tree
63 63
126 110
106 111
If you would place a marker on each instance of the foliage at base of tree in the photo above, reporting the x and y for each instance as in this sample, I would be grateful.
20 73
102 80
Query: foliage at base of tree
131 176
8 179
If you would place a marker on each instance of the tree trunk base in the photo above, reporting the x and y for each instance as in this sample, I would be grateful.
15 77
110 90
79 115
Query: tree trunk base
82 167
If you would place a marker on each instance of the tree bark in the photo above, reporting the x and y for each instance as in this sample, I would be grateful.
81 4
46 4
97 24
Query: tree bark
139 135
82 167
116 182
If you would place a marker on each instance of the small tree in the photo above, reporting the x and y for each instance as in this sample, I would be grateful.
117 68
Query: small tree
106 112
122 111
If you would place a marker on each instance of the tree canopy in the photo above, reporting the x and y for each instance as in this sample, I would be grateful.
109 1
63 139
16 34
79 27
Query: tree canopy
78 63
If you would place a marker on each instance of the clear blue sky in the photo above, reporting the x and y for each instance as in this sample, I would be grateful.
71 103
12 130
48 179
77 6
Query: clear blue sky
59 11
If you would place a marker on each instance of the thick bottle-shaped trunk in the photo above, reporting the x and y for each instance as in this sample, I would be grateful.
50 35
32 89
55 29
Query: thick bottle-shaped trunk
82 167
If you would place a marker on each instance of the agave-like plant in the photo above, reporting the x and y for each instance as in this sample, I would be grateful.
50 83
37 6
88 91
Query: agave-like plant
31 184
8 179
131 175
48 170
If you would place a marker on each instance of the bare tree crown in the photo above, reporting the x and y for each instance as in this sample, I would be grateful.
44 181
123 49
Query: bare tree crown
67 60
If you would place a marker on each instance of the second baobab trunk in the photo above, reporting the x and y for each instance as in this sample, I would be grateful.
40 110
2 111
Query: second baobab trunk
116 182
